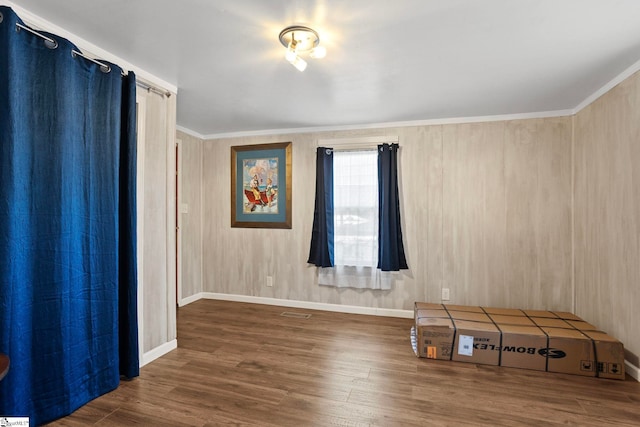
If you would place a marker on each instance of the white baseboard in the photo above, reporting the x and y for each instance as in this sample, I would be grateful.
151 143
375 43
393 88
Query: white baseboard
632 370
338 308
157 352
190 299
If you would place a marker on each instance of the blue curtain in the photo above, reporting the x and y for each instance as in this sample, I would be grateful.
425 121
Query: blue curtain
127 249
390 249
67 226
321 252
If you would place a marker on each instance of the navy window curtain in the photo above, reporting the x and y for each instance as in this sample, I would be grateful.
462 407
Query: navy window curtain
390 249
68 309
391 256
321 252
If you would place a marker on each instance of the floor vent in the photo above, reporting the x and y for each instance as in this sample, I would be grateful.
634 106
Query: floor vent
295 315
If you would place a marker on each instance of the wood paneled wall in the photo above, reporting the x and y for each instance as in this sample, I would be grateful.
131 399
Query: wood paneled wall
507 213
486 212
190 166
607 213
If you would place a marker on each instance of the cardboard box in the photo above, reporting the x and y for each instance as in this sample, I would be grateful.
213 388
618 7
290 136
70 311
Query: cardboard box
540 313
504 311
476 342
427 306
551 323
469 315
566 315
521 347
511 320
609 355
434 337
471 308
570 352
423 313
530 339
581 325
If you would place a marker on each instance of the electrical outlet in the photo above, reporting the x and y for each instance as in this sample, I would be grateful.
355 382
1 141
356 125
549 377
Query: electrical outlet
445 294
270 281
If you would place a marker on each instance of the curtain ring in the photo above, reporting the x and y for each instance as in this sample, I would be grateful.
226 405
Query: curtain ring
328 151
1 17
51 44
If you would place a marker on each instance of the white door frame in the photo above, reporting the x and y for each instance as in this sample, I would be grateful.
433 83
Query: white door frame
141 104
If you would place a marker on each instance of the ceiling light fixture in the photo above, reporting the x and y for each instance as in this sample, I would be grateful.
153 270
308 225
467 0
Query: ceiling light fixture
298 40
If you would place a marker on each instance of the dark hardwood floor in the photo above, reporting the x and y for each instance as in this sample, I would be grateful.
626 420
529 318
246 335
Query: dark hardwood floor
246 365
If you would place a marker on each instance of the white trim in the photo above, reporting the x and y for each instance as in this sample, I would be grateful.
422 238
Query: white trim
607 87
632 370
141 104
170 215
190 132
429 122
158 352
574 292
202 218
337 308
37 22
179 221
190 299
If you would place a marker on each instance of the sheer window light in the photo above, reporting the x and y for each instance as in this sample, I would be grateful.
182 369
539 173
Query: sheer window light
355 186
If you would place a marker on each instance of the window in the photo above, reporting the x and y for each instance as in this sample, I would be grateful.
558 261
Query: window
356 239
355 198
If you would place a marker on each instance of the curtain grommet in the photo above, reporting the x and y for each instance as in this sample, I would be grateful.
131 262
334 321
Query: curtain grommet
51 44
1 17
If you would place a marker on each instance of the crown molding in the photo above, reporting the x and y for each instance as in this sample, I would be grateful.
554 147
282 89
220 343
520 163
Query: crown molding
607 87
190 132
429 122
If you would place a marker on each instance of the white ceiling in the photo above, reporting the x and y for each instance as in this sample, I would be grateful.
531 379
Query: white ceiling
387 61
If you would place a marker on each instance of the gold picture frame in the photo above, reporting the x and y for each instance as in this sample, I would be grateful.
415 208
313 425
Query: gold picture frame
261 185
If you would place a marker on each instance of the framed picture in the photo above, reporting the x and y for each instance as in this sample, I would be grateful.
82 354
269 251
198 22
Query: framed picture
261 185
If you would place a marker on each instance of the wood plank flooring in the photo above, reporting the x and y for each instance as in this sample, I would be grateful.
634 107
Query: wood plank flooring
246 365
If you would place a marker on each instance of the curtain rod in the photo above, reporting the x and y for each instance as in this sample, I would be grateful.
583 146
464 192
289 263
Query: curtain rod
361 140
153 89
105 68
356 143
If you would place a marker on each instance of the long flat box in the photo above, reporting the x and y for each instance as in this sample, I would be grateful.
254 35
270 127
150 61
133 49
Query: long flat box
530 339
